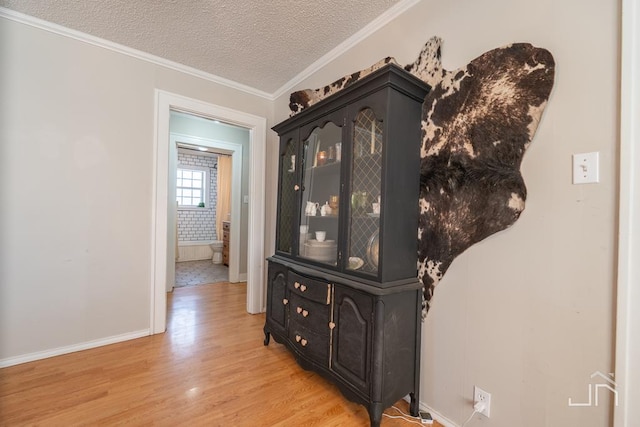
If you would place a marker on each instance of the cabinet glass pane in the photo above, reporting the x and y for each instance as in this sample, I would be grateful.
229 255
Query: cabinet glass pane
320 195
364 197
287 197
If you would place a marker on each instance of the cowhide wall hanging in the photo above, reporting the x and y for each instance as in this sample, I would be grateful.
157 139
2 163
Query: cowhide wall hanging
477 122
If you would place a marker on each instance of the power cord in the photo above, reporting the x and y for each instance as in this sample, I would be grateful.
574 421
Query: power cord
408 418
478 407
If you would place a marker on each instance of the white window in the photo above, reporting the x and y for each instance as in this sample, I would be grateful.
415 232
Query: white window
191 186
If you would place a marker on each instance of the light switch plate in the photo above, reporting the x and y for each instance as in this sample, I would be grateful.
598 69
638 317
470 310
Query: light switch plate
586 168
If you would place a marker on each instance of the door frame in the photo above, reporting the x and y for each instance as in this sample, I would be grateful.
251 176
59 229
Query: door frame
164 103
627 357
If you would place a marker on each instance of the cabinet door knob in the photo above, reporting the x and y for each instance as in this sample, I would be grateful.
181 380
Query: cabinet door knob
296 285
285 301
332 325
303 288
303 342
296 187
305 313
299 310
298 338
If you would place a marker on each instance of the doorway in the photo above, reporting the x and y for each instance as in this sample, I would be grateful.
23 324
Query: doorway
204 212
165 103
238 241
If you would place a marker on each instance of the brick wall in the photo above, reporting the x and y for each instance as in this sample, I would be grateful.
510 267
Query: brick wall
200 223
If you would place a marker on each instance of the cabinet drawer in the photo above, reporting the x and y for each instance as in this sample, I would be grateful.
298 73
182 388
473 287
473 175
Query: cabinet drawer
311 289
308 314
310 344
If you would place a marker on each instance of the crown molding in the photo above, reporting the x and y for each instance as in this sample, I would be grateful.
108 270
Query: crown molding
389 15
373 26
106 44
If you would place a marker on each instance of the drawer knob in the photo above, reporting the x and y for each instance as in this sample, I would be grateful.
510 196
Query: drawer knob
305 313
299 310
296 285
303 288
332 325
298 338
285 301
296 187
303 342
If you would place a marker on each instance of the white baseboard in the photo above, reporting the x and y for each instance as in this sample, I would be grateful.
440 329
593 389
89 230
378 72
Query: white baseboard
242 277
446 422
438 416
11 361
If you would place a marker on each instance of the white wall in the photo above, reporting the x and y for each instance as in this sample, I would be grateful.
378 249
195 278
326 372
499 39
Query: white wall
528 313
199 224
76 179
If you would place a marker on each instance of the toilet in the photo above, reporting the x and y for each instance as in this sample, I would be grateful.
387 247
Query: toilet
216 247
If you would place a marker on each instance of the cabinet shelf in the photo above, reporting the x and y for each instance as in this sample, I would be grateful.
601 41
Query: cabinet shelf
326 166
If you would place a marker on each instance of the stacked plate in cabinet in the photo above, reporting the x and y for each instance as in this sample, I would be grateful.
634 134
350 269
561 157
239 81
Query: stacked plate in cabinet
321 251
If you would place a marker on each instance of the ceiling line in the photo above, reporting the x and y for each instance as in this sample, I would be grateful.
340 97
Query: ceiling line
334 53
116 47
373 26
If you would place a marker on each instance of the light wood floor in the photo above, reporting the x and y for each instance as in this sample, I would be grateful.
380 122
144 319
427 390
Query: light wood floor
209 369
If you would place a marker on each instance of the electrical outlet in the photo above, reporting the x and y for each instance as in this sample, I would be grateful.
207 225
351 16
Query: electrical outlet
479 395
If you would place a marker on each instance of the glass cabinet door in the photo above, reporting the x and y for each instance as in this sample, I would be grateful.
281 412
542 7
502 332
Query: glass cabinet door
365 193
318 233
287 196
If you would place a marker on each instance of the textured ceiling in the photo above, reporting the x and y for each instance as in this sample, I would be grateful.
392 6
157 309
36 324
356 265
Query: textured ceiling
261 44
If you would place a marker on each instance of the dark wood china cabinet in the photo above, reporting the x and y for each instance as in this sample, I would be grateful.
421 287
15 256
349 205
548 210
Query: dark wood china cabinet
342 289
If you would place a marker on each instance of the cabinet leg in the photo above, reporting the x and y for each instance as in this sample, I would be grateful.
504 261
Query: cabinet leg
414 405
267 337
375 414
